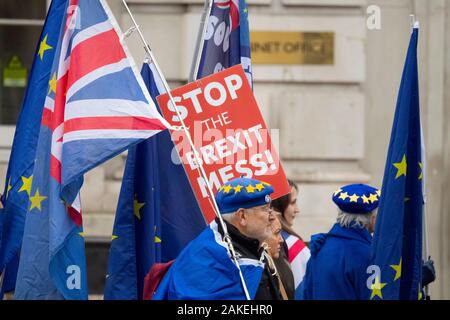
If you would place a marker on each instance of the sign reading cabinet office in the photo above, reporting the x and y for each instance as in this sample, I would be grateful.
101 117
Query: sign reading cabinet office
292 48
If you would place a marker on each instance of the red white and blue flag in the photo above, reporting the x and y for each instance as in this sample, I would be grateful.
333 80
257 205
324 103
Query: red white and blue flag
233 7
97 106
227 39
298 256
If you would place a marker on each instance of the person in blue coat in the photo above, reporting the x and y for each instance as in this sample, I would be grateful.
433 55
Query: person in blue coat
205 270
339 258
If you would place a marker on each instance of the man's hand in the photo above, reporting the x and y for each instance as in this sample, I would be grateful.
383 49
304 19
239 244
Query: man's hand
428 272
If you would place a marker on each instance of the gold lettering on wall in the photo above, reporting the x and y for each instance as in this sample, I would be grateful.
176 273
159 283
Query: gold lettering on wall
292 48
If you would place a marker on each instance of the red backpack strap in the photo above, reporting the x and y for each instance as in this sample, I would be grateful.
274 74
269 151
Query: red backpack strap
154 277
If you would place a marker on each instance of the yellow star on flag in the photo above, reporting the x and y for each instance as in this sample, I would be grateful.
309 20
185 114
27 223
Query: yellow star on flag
337 191
8 188
44 47
421 172
378 193
157 239
238 188
26 184
113 237
365 199
401 167
137 208
36 200
250 188
259 186
398 269
376 288
343 196
227 188
52 84
354 198
81 234
373 198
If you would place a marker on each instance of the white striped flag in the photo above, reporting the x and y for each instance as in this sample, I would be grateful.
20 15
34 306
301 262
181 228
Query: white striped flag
298 256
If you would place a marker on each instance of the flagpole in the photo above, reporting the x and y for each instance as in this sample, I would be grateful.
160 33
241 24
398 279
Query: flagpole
200 40
426 249
188 136
2 276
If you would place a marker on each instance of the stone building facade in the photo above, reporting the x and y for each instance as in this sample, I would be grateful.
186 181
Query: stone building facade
334 120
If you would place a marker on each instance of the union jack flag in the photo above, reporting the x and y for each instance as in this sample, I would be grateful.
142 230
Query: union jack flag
227 39
99 94
233 6
96 107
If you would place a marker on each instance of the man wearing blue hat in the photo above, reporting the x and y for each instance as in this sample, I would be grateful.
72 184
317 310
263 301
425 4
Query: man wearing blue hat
205 268
339 259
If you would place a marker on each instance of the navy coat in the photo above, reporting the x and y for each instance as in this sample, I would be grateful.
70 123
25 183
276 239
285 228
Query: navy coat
338 264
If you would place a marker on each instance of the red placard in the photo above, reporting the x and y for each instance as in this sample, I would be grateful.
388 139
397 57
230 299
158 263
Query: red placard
228 132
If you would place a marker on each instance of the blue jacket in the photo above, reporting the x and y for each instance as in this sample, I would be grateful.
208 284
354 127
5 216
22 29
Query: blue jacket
205 271
337 267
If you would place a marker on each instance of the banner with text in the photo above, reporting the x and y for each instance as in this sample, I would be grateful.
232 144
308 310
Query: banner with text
228 132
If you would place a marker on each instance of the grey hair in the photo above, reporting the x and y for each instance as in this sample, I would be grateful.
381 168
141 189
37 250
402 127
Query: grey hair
348 219
228 217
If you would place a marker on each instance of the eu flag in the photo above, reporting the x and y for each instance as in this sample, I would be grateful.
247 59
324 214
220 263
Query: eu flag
227 39
96 107
21 162
157 214
179 216
397 244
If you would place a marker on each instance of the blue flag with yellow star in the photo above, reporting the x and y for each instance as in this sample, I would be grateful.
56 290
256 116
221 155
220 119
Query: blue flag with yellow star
397 244
157 213
21 161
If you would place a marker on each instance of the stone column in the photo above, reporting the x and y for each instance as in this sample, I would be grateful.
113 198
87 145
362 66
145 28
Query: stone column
444 276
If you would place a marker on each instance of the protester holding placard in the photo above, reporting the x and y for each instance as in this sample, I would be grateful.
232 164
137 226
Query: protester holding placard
205 270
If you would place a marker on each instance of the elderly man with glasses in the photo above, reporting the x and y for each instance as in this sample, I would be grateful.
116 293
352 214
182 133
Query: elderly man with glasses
205 268
245 207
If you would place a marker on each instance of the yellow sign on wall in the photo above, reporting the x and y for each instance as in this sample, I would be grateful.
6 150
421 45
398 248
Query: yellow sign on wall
292 48
15 74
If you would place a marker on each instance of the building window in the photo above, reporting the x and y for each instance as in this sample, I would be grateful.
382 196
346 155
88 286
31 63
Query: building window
20 27
23 9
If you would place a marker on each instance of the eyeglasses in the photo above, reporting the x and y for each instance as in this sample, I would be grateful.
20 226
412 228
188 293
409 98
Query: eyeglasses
265 209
